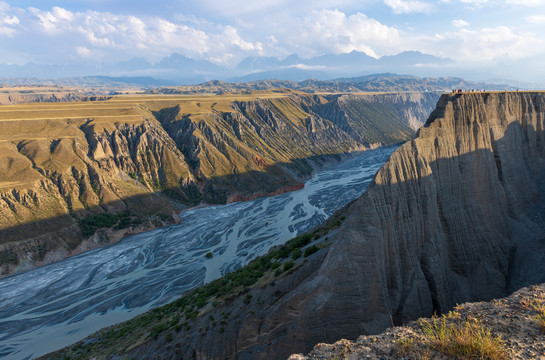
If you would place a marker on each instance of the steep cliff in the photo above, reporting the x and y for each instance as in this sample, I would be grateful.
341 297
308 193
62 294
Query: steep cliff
57 172
412 107
64 168
455 215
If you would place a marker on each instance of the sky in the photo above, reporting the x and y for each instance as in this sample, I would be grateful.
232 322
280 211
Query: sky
506 35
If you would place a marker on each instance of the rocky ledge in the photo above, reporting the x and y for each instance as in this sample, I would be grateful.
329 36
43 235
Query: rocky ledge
516 322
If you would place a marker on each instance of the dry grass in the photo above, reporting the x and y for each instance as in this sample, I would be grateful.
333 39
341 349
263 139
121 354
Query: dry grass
536 306
468 339
405 346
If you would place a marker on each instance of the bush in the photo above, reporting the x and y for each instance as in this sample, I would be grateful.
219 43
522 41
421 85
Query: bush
311 250
91 224
157 329
94 222
247 299
469 339
296 254
209 255
288 265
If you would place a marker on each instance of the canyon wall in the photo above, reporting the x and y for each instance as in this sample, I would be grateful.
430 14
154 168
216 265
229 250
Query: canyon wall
9 97
455 215
66 167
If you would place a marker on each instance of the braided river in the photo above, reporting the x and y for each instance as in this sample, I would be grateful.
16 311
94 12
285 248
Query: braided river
47 308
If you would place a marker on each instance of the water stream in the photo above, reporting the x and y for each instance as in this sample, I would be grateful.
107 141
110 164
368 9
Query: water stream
56 305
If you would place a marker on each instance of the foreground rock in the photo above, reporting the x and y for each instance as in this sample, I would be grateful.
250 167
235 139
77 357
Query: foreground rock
513 319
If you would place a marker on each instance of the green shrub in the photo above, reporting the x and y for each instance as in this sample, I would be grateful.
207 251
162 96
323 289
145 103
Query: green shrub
94 222
247 299
296 254
311 250
157 329
209 255
288 265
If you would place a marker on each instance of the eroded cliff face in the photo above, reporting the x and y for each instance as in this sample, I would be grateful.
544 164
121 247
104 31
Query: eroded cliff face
17 97
455 215
75 170
412 107
136 157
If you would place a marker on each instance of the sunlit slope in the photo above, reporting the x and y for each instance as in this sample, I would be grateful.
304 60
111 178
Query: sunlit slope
37 93
143 155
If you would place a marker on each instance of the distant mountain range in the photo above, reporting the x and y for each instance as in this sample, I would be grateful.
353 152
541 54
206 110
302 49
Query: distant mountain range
179 69
371 83
386 82
317 72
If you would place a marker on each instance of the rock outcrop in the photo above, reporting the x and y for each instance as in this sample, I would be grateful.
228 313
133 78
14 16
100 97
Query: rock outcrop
136 157
516 320
455 215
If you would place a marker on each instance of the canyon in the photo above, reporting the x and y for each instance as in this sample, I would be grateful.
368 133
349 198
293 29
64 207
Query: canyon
75 176
55 305
455 215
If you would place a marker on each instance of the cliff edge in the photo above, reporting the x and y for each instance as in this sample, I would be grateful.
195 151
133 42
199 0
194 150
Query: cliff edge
507 328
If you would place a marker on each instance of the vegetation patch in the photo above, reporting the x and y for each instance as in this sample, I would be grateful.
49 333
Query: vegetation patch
536 308
468 339
8 256
178 314
92 223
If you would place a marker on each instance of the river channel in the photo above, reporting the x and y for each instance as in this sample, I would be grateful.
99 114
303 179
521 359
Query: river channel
56 305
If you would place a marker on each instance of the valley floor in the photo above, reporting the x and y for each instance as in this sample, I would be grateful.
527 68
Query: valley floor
515 326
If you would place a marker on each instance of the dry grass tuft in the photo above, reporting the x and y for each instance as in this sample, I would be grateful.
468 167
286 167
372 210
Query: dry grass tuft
468 339
536 306
404 347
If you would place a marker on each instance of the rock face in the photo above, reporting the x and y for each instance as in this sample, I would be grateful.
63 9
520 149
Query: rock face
66 162
412 107
455 215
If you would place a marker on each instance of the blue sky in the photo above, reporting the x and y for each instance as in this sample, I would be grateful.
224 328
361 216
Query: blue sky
504 35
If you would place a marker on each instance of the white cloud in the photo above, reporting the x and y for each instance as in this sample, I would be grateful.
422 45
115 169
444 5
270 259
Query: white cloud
53 21
484 44
332 31
475 4
8 21
83 51
530 3
460 23
307 67
130 34
536 19
408 6
11 20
